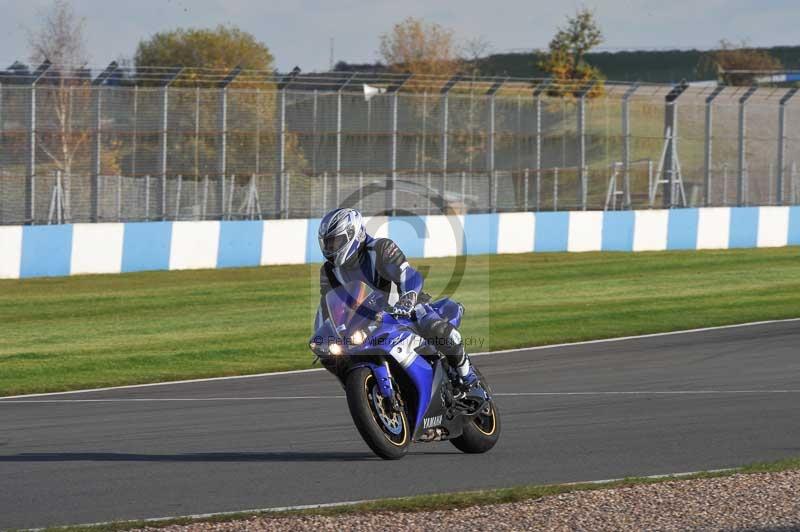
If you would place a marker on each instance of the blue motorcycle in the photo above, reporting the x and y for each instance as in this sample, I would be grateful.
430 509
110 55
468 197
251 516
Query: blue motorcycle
399 387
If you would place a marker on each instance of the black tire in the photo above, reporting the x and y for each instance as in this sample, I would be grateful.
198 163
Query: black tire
362 395
481 432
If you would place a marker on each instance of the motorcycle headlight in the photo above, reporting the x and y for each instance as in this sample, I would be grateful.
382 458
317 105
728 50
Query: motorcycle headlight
335 349
358 337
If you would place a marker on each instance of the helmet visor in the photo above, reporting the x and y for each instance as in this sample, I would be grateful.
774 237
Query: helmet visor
332 244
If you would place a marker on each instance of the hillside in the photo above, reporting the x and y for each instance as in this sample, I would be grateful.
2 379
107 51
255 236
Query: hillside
659 66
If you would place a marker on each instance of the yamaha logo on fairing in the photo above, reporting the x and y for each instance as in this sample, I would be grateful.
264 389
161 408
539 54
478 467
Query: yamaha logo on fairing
430 422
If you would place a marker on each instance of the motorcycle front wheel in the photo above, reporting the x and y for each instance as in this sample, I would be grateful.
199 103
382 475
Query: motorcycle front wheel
384 429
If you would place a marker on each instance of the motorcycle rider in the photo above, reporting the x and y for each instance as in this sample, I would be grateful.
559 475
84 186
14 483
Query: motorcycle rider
353 255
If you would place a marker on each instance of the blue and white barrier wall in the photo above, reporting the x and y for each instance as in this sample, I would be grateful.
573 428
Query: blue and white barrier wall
35 251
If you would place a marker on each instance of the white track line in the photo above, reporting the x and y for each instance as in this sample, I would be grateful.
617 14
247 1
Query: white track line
499 352
644 392
637 337
283 509
172 399
326 397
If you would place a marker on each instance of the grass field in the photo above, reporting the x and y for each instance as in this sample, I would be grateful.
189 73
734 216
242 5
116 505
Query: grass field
71 333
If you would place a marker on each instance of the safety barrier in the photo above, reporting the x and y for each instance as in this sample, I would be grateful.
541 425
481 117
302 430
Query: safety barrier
56 250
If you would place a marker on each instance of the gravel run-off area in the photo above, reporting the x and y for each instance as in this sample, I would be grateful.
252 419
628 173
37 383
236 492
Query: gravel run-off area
755 501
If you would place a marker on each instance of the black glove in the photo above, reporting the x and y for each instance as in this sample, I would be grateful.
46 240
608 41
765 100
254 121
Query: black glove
405 304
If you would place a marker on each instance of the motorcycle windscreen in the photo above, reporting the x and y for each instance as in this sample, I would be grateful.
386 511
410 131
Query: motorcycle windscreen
352 304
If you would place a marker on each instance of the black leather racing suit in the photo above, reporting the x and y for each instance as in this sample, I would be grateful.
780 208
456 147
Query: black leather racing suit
380 263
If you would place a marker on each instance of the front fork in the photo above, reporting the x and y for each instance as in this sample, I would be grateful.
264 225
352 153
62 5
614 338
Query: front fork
384 378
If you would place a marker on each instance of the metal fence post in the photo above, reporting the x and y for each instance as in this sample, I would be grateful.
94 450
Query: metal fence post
204 209
97 144
314 133
671 127
492 93
30 200
779 199
339 132
741 187
392 199
279 207
725 183
280 196
770 183
135 134
581 132
339 90
555 188
526 176
708 143
464 192
163 148
164 138
287 194
147 197
2 159
361 190
537 96
119 197
626 144
423 155
30 183
428 194
259 107
445 120
223 125
393 90
178 197
445 92
94 181
196 150
324 192
490 161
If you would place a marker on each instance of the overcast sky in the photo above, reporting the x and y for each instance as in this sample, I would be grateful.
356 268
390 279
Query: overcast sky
299 31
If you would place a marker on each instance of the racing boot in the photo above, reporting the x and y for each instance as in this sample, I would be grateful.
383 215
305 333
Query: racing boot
468 377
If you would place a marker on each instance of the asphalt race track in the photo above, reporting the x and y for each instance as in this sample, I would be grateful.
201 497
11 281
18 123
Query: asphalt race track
653 405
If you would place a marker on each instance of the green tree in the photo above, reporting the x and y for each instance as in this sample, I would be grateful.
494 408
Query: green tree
252 100
224 47
565 60
421 48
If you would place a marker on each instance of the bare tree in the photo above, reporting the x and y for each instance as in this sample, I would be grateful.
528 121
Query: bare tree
473 53
60 39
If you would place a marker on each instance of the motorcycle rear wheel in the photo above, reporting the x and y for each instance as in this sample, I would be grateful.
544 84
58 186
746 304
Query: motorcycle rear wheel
385 431
482 431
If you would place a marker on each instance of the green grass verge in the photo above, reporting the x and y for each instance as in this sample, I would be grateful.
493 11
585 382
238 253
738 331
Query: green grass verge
90 331
445 501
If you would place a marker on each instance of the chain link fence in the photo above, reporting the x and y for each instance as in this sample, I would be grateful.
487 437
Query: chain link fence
82 152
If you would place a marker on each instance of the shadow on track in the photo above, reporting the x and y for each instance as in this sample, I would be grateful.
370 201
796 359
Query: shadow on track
281 456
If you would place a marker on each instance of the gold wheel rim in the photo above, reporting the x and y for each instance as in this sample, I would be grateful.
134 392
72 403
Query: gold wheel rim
402 417
494 422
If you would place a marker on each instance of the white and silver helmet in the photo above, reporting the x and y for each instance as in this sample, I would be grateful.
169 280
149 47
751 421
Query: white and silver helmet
341 233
